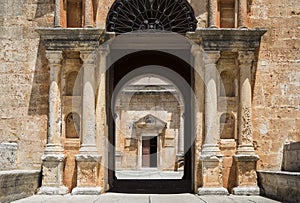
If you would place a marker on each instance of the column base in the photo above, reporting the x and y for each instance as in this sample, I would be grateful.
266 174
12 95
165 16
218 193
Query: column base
47 190
246 190
211 149
246 149
87 191
212 191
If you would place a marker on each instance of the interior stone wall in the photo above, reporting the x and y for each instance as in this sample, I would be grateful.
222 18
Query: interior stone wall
276 98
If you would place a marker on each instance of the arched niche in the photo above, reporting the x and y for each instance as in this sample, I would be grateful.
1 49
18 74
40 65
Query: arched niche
227 86
73 84
227 126
73 125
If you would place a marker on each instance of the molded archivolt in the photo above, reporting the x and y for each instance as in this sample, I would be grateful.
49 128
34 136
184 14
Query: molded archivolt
169 15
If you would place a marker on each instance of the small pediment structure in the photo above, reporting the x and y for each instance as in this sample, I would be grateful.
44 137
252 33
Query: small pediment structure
150 123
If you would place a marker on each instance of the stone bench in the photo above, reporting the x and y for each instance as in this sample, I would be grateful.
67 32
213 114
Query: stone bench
280 185
17 184
291 157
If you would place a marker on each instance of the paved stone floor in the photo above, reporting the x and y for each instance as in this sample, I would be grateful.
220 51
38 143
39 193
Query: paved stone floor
144 198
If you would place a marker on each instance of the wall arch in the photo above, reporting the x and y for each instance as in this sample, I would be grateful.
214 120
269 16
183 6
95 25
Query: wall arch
73 125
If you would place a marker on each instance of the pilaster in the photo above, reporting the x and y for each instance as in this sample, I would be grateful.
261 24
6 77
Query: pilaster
88 14
212 13
242 13
57 19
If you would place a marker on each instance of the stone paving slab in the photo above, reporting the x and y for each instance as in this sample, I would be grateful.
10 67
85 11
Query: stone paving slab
144 198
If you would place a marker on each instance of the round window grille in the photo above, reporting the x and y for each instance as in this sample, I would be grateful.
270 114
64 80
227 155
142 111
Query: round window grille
169 15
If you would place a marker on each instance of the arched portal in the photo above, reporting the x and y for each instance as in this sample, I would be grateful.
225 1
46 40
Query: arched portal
153 124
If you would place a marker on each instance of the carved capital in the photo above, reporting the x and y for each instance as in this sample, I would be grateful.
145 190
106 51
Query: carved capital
195 50
245 57
88 57
211 57
54 57
104 50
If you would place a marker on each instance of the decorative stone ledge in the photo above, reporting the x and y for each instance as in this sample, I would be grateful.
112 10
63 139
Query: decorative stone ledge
280 185
17 184
221 39
71 38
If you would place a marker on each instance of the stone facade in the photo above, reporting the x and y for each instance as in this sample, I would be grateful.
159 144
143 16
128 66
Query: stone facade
262 111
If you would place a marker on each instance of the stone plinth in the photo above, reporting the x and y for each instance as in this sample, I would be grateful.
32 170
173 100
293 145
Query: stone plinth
53 175
212 176
246 175
88 167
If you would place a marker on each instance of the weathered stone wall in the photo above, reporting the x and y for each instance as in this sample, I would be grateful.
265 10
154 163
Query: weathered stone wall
24 78
280 185
17 184
276 97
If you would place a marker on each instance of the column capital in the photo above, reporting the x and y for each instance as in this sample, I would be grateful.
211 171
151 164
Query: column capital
195 49
54 57
211 57
88 57
104 50
246 57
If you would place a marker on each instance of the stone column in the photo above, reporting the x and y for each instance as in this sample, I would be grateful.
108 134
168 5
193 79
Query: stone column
57 14
245 141
242 13
88 158
245 158
212 13
211 156
53 158
212 136
88 13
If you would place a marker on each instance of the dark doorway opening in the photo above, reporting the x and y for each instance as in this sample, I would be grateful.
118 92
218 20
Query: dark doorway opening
149 152
114 75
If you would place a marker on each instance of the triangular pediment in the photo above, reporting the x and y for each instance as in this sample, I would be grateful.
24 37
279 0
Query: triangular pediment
150 121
